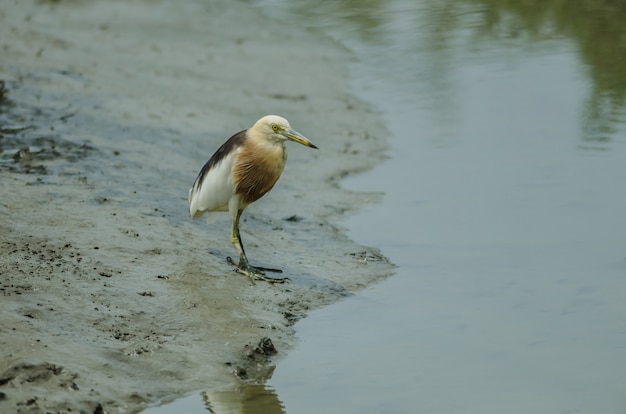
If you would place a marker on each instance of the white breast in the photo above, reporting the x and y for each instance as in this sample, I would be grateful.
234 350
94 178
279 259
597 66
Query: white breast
213 190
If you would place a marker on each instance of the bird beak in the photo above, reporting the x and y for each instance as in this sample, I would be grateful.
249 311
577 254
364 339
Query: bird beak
297 137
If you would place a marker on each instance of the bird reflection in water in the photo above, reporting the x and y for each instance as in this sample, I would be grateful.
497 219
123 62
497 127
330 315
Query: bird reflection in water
249 399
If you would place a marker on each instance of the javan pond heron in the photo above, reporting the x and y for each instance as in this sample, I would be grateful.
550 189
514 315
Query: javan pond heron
240 172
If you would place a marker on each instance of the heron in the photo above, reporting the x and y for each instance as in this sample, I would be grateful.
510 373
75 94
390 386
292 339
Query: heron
240 172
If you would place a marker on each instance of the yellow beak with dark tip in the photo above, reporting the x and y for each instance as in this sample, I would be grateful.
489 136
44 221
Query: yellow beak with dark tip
299 138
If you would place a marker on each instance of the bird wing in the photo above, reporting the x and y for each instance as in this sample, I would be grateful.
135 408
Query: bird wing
214 186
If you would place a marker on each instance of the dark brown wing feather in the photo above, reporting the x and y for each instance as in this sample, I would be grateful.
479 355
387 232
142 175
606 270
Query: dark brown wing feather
231 144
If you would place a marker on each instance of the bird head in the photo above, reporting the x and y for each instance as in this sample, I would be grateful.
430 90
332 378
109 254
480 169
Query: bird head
278 128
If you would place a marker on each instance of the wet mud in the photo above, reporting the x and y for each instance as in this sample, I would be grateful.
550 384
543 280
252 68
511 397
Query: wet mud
112 299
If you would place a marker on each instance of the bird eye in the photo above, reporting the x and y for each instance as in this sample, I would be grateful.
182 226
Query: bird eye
275 127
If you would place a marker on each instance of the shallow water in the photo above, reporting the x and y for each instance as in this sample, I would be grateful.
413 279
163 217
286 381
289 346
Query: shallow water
503 210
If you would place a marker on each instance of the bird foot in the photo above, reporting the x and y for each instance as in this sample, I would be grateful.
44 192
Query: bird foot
257 273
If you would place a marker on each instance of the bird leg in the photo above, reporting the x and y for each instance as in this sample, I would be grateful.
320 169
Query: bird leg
243 267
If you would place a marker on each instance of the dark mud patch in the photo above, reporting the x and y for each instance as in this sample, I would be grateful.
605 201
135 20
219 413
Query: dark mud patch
33 258
28 142
3 91
38 376
256 363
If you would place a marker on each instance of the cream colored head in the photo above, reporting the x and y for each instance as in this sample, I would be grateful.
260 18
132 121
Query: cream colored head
276 128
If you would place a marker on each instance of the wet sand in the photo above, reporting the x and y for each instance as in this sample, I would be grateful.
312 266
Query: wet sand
113 300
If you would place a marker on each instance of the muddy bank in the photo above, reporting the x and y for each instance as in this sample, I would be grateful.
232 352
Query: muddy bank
112 298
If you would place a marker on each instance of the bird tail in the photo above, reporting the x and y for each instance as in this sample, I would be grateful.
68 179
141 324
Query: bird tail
193 207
